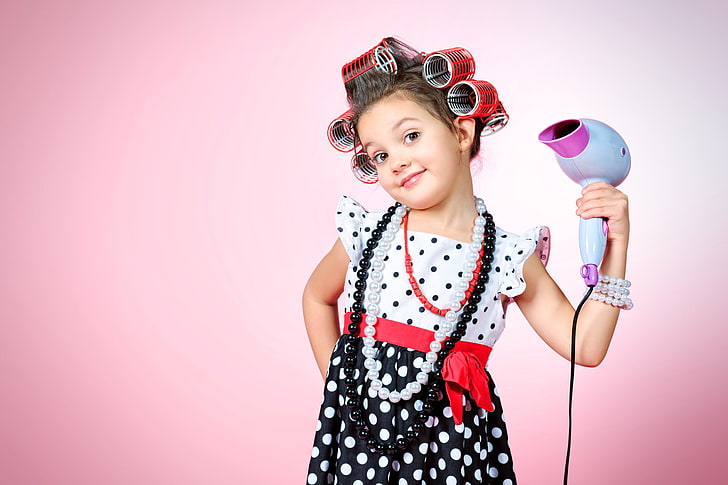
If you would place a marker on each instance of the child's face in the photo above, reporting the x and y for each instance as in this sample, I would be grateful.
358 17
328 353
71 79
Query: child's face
421 161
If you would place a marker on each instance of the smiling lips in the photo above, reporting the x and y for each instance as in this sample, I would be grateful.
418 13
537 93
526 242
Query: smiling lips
411 179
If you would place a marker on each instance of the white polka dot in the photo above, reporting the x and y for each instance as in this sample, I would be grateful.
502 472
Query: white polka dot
467 433
402 481
318 425
418 405
417 362
476 447
385 407
434 447
373 418
433 473
482 413
417 474
441 464
390 352
326 439
383 461
503 458
447 412
478 475
496 432
345 469
460 428
387 379
468 460
455 454
311 479
507 481
402 371
315 452
370 473
404 415
357 482
451 480
408 458
444 437
395 465
493 472
329 412
324 466
490 446
361 458
331 386
483 454
384 435
349 442
336 361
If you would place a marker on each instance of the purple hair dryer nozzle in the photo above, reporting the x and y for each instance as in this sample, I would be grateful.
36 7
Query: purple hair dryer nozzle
589 151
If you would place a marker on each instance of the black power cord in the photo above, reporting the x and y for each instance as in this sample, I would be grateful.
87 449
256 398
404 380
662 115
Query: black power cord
571 378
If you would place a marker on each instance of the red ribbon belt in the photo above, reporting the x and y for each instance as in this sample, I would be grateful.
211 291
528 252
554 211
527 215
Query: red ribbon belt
463 369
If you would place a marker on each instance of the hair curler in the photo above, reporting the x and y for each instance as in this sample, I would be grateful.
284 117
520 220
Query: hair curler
495 121
378 57
340 133
444 68
472 98
362 167
589 151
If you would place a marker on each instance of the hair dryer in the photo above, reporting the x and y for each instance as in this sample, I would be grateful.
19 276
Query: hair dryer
589 151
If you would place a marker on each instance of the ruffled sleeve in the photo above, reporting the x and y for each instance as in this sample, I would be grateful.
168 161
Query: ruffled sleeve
537 239
351 220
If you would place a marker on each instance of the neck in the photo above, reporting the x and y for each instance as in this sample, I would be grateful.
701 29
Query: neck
452 218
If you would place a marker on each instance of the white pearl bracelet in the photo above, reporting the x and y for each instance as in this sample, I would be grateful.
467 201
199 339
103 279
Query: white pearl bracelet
613 291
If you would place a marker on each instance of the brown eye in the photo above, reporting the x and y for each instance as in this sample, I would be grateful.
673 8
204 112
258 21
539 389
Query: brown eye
379 158
410 137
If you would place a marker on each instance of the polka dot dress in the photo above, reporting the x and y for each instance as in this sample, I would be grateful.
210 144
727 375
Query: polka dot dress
474 452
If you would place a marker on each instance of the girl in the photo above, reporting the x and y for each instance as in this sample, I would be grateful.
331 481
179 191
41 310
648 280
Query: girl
407 398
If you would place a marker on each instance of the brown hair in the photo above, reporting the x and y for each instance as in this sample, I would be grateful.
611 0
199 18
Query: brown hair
365 90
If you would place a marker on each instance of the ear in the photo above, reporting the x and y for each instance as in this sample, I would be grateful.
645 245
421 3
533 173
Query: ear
465 131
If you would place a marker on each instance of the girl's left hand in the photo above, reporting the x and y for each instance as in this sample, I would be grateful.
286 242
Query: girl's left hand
601 199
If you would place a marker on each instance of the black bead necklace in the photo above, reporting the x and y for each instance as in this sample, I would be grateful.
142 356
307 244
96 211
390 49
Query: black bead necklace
435 384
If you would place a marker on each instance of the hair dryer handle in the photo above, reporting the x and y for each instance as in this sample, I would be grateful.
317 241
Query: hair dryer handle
592 243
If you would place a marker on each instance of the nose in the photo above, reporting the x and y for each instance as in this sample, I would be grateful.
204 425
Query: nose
398 161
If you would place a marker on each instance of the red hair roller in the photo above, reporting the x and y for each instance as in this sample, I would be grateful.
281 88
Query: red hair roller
378 57
362 167
340 133
473 98
495 121
444 68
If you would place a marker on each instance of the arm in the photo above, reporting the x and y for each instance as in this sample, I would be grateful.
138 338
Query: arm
320 309
547 309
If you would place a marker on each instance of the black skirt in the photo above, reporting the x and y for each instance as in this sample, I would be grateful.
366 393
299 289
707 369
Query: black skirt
474 452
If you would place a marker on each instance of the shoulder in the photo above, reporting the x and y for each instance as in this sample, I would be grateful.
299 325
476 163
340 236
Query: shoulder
354 224
513 250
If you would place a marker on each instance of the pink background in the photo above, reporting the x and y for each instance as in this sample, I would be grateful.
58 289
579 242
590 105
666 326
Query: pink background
166 187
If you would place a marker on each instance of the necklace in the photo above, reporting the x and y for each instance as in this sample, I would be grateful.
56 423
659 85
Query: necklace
450 314
431 386
465 283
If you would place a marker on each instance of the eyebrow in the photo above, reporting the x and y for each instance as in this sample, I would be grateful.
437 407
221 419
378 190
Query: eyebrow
394 128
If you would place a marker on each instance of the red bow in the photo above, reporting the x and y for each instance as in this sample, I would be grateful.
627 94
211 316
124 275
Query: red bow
462 370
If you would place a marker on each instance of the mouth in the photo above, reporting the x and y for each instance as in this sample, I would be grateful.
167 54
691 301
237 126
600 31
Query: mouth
411 179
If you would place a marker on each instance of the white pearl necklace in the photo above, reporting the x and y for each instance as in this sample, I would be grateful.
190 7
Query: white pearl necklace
373 365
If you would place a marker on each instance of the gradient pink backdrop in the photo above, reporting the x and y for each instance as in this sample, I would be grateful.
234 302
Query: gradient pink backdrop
167 187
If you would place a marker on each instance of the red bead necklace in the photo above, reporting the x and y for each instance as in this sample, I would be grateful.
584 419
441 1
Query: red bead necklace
416 288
